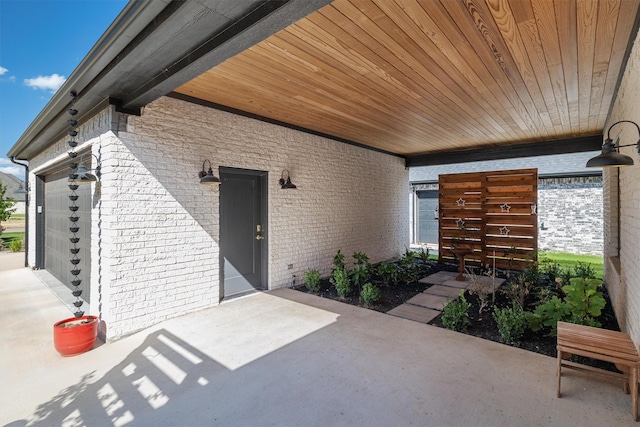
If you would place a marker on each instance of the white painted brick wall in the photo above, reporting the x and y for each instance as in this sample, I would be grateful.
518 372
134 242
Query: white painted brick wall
348 198
156 229
622 273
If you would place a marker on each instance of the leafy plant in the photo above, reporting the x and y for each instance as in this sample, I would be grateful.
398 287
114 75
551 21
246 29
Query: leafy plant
361 269
511 322
584 298
338 260
550 268
369 294
549 314
423 255
388 272
7 205
565 276
312 280
340 279
454 315
582 303
409 271
584 270
15 245
532 275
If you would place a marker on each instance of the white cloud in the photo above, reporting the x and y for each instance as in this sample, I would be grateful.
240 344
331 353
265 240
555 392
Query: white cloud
50 83
11 168
3 71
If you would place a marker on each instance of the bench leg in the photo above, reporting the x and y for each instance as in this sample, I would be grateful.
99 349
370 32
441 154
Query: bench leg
634 392
559 371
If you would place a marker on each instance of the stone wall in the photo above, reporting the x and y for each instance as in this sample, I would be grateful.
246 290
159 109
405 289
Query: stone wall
570 215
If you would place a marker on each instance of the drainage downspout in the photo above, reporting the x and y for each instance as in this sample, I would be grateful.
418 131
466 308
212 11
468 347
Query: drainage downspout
26 209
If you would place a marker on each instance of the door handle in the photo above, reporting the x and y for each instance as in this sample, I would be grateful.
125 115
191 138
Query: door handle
259 237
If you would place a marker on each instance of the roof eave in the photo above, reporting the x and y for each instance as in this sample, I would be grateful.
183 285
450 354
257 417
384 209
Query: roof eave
134 17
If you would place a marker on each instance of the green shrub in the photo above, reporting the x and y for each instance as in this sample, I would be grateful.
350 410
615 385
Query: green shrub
312 280
369 295
454 315
584 298
550 268
388 272
361 269
409 270
340 279
511 323
582 303
423 255
15 245
584 270
338 261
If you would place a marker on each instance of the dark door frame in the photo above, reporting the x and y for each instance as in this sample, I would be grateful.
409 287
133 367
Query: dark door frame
264 262
39 220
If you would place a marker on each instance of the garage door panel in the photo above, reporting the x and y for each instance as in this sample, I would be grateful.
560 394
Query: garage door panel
57 253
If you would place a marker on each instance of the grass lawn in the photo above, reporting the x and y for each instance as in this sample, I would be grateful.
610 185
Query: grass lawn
571 260
6 238
20 217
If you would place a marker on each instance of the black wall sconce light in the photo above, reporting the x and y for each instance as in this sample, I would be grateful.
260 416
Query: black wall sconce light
286 184
610 156
208 178
82 174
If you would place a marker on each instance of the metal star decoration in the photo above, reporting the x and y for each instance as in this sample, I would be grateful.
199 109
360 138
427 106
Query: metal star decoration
461 201
504 231
460 223
505 207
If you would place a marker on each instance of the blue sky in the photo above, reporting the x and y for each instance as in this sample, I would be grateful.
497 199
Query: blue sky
41 43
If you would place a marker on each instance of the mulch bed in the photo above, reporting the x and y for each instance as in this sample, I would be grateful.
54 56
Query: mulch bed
482 324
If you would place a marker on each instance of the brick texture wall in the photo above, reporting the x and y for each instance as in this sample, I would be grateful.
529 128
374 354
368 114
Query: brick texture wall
570 215
622 269
157 229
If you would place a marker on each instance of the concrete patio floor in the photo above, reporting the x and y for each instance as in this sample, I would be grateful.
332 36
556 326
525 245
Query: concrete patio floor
281 358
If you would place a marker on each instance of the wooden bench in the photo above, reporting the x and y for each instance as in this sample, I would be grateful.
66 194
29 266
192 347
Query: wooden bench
611 346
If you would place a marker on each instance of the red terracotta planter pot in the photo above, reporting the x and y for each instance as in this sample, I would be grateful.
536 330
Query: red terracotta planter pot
74 336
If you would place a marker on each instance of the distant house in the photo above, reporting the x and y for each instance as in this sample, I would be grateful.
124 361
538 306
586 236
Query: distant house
570 203
13 183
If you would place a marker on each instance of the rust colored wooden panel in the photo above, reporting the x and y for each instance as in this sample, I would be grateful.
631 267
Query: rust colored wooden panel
500 224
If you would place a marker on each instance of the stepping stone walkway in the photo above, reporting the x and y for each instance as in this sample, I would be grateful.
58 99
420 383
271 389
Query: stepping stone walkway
427 305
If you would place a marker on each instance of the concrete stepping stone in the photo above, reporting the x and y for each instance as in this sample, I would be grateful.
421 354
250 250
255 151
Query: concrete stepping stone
414 312
438 278
436 302
445 291
453 283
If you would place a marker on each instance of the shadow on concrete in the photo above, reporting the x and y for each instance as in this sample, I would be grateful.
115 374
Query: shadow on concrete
154 377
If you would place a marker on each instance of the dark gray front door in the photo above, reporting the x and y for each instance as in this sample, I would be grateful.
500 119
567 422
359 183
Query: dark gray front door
243 230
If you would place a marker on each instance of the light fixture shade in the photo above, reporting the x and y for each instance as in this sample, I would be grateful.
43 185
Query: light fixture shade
610 157
84 175
607 160
288 184
209 178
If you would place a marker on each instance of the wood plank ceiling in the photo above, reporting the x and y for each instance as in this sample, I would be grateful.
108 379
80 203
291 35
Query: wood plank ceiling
422 76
